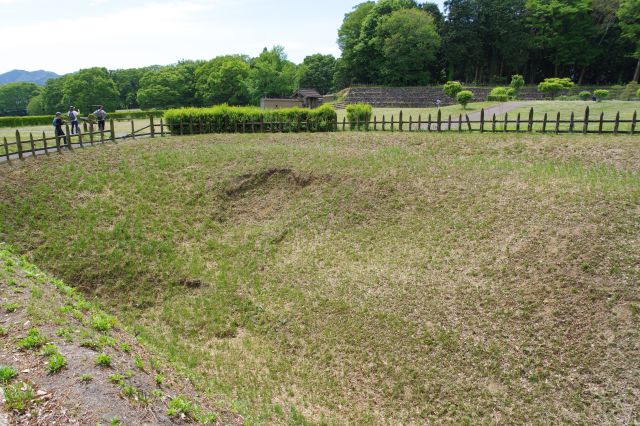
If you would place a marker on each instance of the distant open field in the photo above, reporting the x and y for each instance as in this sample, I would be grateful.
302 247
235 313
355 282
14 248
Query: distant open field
363 278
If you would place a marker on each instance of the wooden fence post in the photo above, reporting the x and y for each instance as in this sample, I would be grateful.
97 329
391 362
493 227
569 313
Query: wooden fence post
601 124
518 123
344 123
449 121
383 123
133 130
6 148
375 123
80 138
400 121
460 123
634 121
585 124
506 122
616 126
46 147
419 122
429 123
91 133
33 148
571 122
112 130
410 122
493 123
19 144
558 123
161 128
439 125
468 122
152 126
530 125
482 120
544 123
392 122
84 126
68 137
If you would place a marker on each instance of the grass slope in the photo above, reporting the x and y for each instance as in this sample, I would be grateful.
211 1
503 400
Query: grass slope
360 278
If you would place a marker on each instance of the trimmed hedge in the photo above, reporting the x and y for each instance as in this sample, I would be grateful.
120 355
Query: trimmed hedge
584 95
498 94
41 120
358 115
226 119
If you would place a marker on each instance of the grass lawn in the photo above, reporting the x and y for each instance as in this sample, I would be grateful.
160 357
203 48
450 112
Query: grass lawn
365 278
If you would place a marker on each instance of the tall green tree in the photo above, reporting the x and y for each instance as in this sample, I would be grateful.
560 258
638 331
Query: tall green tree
352 66
563 31
14 97
223 80
317 72
629 16
88 88
408 42
272 75
168 87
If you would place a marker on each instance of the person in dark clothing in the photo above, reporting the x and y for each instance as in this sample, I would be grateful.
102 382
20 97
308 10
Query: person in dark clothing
101 116
73 118
57 123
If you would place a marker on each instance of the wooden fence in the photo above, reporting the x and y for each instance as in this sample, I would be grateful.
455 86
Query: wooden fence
24 146
30 146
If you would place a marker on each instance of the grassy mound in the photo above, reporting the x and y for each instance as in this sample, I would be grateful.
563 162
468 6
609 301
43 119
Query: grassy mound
366 278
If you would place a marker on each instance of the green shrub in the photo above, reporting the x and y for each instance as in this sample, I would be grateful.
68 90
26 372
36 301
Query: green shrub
554 86
452 88
102 322
584 95
179 406
33 340
498 94
359 115
517 81
226 119
464 98
512 93
7 374
629 91
601 94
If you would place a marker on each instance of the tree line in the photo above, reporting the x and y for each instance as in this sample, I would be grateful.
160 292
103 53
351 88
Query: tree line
403 42
384 42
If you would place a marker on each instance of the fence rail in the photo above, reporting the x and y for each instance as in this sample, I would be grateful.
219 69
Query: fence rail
30 146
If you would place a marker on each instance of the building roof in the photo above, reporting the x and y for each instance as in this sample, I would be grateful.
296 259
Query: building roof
308 93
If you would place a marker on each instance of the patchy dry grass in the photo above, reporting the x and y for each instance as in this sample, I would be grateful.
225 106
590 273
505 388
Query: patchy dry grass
360 278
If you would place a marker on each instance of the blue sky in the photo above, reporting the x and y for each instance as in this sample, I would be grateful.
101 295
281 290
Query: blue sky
64 36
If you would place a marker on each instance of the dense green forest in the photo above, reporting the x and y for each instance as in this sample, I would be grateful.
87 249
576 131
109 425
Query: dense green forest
384 42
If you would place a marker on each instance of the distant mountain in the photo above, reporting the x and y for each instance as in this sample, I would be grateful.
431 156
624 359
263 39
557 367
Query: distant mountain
38 77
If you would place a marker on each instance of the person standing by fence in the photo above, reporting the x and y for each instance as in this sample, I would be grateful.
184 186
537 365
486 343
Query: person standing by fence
101 116
73 118
57 123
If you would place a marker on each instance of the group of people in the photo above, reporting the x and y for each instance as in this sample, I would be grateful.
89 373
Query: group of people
73 116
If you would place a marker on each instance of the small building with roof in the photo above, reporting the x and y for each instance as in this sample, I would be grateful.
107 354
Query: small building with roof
304 98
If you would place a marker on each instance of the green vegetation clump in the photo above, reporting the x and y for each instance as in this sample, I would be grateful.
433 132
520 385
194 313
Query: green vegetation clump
57 362
41 120
498 94
103 360
34 340
517 82
452 88
85 378
102 322
359 115
601 94
584 95
49 349
18 396
554 86
464 98
226 119
10 307
7 374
